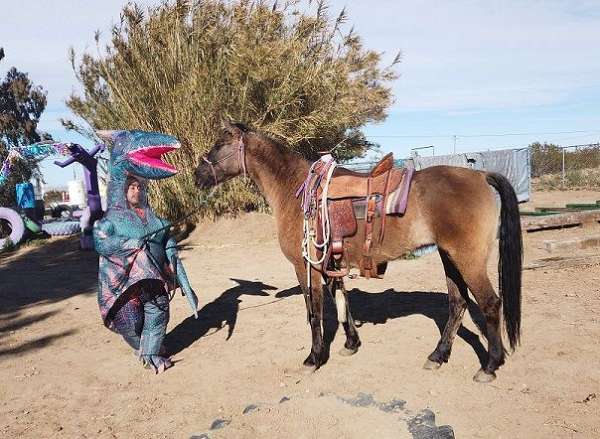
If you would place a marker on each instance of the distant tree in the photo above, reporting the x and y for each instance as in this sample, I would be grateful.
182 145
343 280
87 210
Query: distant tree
21 105
53 196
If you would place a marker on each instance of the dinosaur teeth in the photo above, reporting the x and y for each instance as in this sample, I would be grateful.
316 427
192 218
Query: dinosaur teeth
152 156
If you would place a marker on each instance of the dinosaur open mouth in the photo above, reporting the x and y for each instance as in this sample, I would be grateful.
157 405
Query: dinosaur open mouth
152 156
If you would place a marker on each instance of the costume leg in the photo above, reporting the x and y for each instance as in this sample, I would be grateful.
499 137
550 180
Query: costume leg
156 318
128 321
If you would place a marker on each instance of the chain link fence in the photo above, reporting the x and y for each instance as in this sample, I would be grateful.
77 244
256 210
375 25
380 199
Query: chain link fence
565 167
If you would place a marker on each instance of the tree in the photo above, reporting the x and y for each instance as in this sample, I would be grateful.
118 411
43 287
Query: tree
182 68
21 105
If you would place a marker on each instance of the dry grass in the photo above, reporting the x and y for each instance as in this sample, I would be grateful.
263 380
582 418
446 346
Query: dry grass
577 179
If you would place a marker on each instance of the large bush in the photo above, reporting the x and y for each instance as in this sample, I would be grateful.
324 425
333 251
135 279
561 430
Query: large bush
183 67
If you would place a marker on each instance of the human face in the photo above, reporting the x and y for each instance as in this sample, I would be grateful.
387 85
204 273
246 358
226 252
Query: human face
133 194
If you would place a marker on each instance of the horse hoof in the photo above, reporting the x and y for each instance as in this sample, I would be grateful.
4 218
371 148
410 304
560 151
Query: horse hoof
345 352
483 377
308 369
431 365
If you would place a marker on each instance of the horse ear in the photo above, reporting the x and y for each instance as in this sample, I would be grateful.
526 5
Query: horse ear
231 129
227 125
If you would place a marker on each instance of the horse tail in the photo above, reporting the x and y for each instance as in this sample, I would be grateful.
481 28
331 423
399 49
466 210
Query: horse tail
510 262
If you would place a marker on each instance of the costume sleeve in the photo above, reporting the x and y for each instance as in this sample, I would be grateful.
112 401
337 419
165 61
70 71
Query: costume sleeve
182 279
109 243
177 265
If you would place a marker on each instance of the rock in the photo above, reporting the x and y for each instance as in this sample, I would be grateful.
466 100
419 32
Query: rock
422 426
395 405
220 423
362 400
249 409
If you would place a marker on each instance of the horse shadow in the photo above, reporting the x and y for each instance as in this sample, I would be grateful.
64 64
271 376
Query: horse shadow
378 308
218 314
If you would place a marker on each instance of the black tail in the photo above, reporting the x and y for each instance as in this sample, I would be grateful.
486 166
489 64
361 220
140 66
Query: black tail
511 256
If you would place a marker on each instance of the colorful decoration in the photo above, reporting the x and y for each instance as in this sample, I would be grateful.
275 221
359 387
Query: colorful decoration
34 152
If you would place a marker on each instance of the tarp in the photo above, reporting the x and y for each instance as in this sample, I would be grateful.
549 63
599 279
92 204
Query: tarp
514 164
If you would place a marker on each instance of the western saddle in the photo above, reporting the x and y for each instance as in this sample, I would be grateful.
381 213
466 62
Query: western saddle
348 193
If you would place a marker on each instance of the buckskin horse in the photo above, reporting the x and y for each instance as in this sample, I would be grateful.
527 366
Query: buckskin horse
450 207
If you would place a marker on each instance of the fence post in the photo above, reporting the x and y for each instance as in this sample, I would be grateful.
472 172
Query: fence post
563 167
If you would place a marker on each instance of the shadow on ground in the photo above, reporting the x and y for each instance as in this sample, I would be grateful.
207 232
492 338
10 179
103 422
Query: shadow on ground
378 308
49 272
218 314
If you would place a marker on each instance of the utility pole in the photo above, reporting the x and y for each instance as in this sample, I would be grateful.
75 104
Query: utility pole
454 149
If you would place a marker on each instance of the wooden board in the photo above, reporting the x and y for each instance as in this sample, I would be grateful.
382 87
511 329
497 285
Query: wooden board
533 223
572 244
559 262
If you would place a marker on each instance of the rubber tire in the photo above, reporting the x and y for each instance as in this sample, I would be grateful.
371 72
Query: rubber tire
62 228
58 211
16 224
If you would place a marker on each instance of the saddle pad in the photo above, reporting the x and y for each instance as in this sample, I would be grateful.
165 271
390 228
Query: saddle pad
397 200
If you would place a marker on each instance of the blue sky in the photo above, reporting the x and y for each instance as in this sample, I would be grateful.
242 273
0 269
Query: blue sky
480 70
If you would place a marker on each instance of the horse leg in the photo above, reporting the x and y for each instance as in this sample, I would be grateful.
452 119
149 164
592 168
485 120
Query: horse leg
345 318
490 304
457 303
314 304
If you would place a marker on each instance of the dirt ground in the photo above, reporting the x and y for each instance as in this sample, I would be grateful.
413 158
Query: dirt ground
238 368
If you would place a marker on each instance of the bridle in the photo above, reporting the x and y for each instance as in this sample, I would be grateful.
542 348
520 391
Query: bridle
241 153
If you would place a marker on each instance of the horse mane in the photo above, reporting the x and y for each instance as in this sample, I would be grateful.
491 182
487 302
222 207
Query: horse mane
279 144
285 165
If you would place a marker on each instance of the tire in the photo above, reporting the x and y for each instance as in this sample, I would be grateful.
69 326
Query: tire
62 228
62 211
17 227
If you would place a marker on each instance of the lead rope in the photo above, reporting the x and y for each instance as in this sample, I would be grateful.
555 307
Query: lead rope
309 190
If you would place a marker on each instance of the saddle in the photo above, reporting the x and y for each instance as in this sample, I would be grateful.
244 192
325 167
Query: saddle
350 192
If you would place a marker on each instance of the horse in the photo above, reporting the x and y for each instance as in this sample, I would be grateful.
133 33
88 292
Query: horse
449 207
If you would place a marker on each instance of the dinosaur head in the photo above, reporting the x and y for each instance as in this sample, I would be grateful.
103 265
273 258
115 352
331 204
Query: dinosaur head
136 154
140 153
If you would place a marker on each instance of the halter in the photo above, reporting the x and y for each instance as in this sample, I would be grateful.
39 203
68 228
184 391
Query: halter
241 153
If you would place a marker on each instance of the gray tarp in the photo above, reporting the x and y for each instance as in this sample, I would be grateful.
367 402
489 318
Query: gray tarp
514 164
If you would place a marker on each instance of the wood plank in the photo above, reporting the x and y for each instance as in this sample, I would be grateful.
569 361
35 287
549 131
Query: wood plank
572 244
544 213
559 262
533 223
582 206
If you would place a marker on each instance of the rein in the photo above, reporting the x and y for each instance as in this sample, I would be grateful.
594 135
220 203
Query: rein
179 220
241 153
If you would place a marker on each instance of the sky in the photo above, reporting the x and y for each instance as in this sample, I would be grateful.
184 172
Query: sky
494 74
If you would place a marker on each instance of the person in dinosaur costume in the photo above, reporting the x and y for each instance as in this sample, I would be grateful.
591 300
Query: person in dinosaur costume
138 262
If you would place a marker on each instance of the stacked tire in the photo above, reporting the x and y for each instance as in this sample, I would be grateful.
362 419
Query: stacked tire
13 220
62 228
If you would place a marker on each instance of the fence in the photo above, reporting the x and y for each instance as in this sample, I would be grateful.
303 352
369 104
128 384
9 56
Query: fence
565 167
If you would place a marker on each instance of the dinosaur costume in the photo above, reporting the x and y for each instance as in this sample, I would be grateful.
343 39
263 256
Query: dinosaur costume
138 259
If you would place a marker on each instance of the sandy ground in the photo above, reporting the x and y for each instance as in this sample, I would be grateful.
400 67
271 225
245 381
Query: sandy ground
63 375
